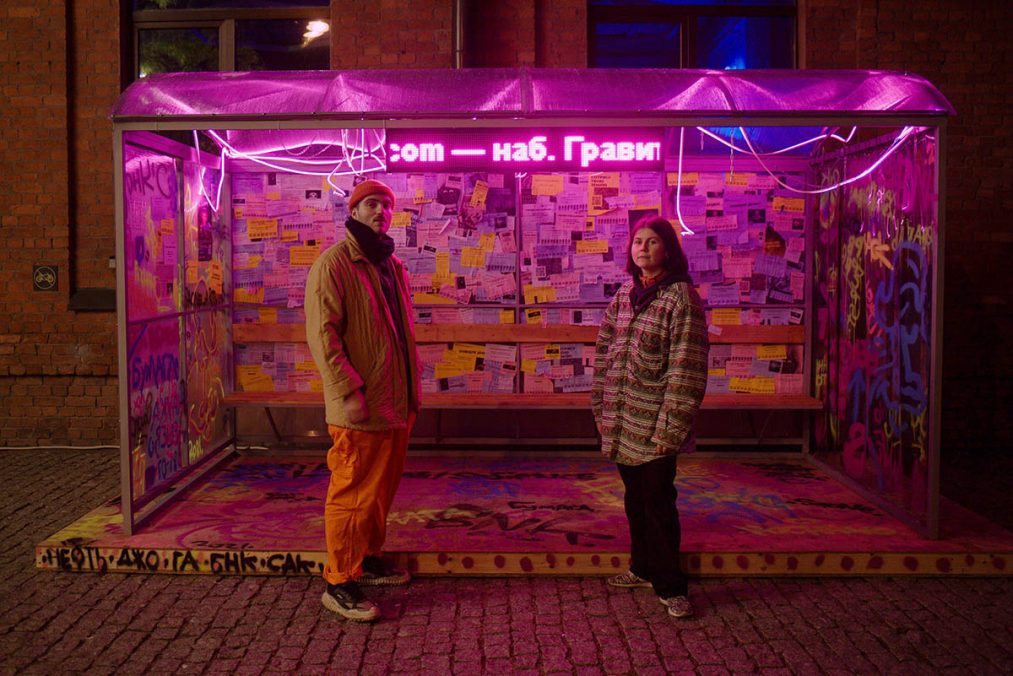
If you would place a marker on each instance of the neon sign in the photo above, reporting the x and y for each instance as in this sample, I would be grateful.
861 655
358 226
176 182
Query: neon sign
604 149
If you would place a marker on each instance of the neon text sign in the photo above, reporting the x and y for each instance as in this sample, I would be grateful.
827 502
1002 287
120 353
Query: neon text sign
604 149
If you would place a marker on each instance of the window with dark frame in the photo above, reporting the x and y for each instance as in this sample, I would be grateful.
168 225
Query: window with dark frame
715 34
226 35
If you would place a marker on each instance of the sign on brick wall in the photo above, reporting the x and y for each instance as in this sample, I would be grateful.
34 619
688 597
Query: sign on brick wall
45 278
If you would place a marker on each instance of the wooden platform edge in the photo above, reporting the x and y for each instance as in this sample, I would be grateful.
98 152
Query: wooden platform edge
54 556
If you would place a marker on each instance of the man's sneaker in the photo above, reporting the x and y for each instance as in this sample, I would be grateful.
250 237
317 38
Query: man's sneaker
628 579
347 600
678 606
377 573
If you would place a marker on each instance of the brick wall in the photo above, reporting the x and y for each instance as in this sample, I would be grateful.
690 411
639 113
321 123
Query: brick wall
370 34
55 365
56 385
561 34
964 48
500 34
95 86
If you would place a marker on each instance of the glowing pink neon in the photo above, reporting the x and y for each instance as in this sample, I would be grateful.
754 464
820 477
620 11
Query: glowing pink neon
786 149
678 188
221 176
229 150
595 149
897 142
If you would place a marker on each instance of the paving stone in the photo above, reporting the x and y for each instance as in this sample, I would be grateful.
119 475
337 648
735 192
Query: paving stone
132 624
712 670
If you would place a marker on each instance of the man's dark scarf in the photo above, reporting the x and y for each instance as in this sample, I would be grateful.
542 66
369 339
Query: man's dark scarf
378 247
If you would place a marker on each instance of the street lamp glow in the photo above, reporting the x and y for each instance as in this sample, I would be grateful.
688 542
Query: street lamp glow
315 29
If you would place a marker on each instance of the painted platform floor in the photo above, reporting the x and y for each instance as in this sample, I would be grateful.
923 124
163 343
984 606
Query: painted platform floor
482 514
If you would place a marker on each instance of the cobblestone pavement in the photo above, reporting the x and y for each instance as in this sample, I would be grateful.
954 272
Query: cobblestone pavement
73 623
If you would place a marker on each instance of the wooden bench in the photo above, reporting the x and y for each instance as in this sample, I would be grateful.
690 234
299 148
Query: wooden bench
526 333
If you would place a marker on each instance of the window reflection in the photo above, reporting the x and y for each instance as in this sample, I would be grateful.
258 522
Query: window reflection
294 44
177 50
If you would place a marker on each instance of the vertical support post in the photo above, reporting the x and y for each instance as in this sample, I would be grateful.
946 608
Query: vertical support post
518 294
809 321
936 344
123 381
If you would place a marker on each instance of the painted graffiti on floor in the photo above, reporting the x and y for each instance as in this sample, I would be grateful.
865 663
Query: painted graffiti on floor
264 516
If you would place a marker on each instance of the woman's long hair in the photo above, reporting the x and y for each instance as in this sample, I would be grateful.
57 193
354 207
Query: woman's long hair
675 258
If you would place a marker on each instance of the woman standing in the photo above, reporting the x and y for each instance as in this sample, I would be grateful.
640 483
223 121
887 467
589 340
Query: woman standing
649 379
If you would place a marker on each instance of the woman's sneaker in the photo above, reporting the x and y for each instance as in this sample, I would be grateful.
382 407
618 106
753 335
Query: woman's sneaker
347 600
627 579
678 606
377 573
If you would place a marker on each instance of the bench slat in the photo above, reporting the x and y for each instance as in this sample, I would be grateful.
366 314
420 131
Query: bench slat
773 335
516 333
504 333
527 400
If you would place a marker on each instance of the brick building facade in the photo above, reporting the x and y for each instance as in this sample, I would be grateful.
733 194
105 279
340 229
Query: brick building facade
60 75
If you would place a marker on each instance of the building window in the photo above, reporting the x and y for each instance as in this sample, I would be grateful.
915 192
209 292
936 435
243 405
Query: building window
170 50
207 35
718 34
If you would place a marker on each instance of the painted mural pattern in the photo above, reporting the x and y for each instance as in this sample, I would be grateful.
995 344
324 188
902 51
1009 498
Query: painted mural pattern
208 378
874 303
207 285
179 362
206 242
155 404
151 210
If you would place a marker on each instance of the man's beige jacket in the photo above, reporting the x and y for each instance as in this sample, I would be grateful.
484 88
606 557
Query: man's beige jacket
351 334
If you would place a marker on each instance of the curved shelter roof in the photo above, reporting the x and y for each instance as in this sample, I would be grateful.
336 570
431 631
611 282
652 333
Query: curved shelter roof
530 93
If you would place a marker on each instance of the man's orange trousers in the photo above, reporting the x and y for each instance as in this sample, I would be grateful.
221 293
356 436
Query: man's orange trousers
365 469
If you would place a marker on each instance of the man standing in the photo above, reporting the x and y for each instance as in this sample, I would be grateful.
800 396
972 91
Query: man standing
359 326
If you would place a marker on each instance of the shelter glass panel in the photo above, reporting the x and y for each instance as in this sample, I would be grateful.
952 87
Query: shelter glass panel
156 405
206 243
209 376
875 247
152 231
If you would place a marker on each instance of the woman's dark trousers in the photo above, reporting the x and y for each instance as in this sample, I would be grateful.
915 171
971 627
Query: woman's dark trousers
655 534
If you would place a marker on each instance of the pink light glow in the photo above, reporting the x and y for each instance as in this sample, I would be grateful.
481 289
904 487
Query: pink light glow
376 144
678 188
897 142
819 137
348 159
221 176
593 149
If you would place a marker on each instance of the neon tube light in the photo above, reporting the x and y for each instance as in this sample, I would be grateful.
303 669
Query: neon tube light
820 137
377 144
555 149
221 176
265 156
269 162
901 137
678 188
